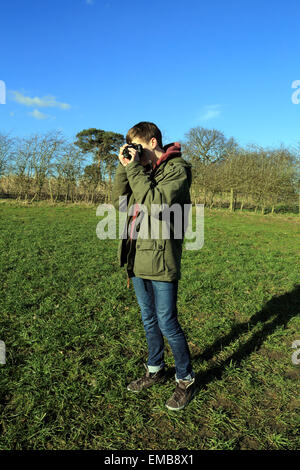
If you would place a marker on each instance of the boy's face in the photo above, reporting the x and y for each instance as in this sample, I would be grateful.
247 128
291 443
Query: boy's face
148 149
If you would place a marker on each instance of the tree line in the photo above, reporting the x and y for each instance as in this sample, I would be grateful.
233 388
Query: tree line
51 167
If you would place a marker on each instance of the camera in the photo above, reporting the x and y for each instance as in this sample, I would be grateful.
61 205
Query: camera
137 147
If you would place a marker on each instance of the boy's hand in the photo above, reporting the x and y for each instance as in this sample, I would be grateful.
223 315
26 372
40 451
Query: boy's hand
122 159
134 154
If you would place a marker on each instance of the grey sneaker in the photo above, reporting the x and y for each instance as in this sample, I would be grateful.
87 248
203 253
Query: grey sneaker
182 395
147 380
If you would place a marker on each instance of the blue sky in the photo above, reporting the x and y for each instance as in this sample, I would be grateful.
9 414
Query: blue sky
228 65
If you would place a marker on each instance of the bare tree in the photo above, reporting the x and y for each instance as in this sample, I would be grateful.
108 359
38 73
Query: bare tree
206 149
21 171
6 148
68 168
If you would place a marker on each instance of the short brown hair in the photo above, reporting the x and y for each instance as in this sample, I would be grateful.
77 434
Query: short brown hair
144 131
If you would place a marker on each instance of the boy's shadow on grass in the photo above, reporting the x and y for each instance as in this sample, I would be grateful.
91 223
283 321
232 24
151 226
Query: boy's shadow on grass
277 312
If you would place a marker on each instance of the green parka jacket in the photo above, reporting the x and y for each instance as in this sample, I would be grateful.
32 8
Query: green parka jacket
167 183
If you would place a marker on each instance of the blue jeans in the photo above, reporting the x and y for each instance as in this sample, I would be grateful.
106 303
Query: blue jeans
157 301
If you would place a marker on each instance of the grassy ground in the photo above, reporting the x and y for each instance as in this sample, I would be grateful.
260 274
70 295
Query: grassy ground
74 336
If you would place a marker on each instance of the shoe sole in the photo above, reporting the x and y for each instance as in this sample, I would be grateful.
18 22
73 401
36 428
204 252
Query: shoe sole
176 409
134 391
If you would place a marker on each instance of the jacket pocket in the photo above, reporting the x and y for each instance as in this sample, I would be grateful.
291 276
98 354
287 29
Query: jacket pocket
149 257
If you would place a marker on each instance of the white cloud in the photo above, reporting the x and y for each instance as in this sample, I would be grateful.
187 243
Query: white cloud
46 101
38 115
210 111
89 2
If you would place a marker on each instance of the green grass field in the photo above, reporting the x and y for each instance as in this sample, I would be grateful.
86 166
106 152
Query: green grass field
74 336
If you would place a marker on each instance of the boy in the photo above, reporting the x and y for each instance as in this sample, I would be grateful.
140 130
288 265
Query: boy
156 176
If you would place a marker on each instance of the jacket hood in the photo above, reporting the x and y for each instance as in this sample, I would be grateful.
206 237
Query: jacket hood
170 151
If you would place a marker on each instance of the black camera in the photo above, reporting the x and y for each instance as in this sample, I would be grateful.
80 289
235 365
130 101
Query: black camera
137 147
